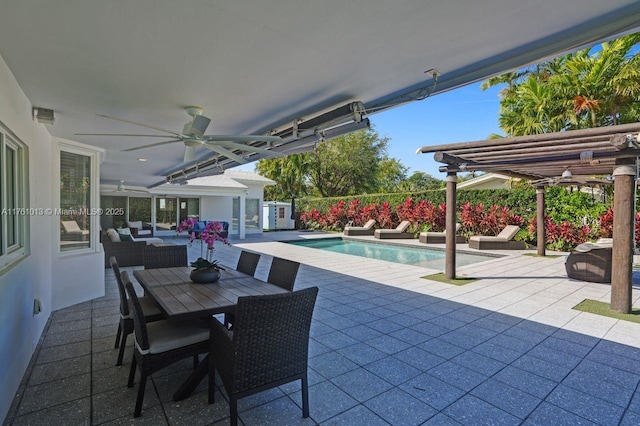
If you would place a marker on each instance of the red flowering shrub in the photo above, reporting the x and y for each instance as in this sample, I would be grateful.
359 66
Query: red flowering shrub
477 220
560 237
606 225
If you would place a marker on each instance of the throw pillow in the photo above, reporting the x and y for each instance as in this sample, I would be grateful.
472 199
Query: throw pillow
125 237
113 235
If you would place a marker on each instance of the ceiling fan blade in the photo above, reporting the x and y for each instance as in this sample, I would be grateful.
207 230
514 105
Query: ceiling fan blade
153 144
141 124
121 134
230 155
189 153
241 138
249 148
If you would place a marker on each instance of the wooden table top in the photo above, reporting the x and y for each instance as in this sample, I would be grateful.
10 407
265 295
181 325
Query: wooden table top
179 298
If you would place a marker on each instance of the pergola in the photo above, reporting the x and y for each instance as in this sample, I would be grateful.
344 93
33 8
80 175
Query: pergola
571 157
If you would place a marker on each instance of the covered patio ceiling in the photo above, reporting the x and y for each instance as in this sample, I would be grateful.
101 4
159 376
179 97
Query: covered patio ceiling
266 67
587 154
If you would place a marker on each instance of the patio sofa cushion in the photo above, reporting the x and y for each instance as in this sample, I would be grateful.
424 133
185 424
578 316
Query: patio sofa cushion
200 225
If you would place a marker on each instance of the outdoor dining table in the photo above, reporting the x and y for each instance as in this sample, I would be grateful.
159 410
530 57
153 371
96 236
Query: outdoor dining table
180 299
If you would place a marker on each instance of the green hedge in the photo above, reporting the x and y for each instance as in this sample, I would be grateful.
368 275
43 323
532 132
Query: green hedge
561 204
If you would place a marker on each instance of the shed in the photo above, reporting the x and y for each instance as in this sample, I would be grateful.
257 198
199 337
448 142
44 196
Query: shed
277 215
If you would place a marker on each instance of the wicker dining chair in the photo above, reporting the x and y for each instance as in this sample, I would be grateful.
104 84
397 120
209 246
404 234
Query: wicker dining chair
283 273
125 326
247 264
165 256
161 343
267 347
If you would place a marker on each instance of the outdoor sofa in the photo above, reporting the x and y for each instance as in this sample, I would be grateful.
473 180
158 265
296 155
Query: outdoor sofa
128 250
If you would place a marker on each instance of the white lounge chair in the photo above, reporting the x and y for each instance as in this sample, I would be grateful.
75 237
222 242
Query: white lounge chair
398 233
71 227
430 237
502 241
367 229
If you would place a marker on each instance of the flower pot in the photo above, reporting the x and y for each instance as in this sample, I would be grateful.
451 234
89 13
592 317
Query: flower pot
204 276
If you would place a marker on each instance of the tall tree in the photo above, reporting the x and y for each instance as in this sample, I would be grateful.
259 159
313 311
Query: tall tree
347 165
391 174
589 88
289 173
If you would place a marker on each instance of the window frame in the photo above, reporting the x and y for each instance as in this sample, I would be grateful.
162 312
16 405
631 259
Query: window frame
13 254
95 157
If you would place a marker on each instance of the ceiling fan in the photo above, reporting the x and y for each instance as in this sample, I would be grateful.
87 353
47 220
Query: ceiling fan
122 188
193 137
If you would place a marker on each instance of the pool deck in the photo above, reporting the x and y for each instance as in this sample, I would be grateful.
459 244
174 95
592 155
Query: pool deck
387 347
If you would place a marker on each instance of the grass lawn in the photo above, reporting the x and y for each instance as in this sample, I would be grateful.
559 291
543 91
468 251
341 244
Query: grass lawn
461 280
602 308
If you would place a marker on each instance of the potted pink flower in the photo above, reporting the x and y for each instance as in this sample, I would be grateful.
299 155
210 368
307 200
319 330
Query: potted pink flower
205 268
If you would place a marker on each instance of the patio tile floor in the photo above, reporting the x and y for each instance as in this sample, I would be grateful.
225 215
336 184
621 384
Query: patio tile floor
387 347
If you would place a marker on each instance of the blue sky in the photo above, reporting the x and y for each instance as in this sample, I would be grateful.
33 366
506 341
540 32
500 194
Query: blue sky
462 115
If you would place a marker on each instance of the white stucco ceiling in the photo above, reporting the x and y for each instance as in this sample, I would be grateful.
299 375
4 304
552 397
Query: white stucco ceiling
255 66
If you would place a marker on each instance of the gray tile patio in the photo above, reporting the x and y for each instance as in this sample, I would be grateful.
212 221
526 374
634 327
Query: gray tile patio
387 347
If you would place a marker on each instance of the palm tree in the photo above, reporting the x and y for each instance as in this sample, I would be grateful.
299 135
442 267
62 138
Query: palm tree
589 88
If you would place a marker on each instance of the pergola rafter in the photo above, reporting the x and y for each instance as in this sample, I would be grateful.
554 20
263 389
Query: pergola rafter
605 151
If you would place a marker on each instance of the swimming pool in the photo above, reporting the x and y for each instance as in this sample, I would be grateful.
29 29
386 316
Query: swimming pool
425 257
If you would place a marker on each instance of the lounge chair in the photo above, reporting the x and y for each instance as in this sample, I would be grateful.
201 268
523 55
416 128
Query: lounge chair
591 261
431 237
71 227
502 241
367 229
398 233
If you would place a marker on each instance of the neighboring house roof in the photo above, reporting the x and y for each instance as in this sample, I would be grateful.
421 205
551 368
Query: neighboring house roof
248 177
487 181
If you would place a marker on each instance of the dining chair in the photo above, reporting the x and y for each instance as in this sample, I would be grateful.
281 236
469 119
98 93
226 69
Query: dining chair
247 264
283 273
161 343
150 310
165 256
268 346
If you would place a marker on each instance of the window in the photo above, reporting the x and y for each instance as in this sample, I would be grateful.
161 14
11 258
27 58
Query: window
113 212
280 212
252 214
14 220
166 213
189 207
75 201
140 210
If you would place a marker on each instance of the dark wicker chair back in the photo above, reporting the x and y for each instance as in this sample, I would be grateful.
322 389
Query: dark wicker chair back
124 306
248 262
139 323
164 256
268 348
283 273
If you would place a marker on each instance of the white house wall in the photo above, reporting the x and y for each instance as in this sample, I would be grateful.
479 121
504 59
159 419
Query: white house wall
41 275
20 329
218 208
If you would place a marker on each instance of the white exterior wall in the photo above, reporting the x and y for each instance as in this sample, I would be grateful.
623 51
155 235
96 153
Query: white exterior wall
219 208
41 274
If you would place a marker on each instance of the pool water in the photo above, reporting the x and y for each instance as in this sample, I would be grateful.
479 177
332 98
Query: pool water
427 258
